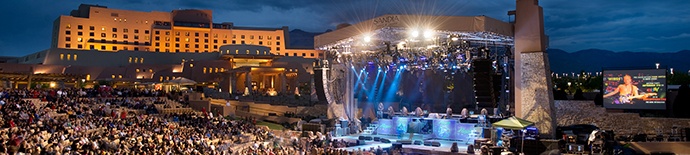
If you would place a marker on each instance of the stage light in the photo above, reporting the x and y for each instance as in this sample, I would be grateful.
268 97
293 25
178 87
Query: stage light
367 38
428 34
414 33
454 39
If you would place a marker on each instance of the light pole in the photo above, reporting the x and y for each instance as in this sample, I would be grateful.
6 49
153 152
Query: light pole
657 65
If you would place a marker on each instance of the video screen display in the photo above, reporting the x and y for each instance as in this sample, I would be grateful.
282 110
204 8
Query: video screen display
635 89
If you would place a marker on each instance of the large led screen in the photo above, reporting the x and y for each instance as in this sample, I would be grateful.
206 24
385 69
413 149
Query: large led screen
635 89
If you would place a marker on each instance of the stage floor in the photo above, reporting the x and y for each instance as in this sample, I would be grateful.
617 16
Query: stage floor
408 149
670 147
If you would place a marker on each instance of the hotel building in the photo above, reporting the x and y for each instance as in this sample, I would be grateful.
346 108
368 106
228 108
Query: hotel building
96 43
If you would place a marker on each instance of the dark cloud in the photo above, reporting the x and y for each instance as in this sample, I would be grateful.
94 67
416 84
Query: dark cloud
618 25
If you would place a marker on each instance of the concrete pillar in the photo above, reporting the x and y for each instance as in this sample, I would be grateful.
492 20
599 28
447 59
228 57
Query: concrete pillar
231 78
533 91
248 81
283 83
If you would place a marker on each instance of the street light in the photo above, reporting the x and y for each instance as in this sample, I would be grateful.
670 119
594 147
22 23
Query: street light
657 65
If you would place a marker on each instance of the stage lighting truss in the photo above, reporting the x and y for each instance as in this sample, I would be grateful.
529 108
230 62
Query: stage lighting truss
417 49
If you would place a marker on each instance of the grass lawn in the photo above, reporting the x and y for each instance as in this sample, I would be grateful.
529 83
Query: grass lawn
271 126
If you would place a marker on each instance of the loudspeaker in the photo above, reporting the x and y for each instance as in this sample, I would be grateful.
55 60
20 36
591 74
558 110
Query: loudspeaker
365 138
487 133
405 142
427 143
320 82
384 140
435 144
377 139
417 142
361 138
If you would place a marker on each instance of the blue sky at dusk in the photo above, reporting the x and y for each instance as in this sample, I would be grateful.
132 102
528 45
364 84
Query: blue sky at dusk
617 25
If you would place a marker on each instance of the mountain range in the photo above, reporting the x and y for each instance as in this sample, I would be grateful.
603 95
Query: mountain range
593 60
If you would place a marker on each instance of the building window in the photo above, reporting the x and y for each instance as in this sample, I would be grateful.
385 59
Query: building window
196 40
304 54
242 42
150 70
112 76
142 60
261 42
68 32
136 48
102 47
102 34
251 36
119 76
205 40
215 46
158 44
79 33
186 45
92 28
75 57
261 37
167 33
215 41
277 43
68 39
177 39
268 43
226 41
62 56
205 34
294 54
137 70
177 33
167 44
177 45
125 36
196 45
125 30
215 35
186 39
136 30
157 38
136 36
68 45
277 48
79 39
268 37
158 32
167 38
79 46
91 34
68 26
242 37
277 37
102 28
204 70
114 35
287 54
79 27
114 48
196 34
146 31
311 54
92 47
114 29
186 34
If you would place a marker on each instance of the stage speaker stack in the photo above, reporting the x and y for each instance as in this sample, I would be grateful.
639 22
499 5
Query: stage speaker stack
321 80
483 83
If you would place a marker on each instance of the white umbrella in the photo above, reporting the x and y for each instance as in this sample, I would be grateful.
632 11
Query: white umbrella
297 91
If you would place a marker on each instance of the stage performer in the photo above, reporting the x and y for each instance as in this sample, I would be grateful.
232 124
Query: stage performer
626 92
419 112
404 111
391 112
449 112
463 113
379 112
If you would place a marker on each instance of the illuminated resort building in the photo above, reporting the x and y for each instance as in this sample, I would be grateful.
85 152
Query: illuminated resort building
96 43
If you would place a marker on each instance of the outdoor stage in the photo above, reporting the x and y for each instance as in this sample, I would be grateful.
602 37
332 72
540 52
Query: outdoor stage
408 149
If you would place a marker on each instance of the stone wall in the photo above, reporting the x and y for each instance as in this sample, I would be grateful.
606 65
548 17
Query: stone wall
585 112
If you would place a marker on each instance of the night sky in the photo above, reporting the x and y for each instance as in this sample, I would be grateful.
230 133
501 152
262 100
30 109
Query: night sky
617 25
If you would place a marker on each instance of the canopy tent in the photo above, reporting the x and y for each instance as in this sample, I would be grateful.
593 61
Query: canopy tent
181 81
513 123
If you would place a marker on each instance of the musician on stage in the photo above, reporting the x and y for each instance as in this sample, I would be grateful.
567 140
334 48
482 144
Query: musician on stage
379 112
391 112
404 111
419 112
626 92
449 112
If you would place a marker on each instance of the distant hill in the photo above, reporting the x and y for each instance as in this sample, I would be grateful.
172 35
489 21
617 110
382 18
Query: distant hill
593 60
301 39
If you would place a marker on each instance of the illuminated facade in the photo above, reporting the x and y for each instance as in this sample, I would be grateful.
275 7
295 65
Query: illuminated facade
95 43
93 27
